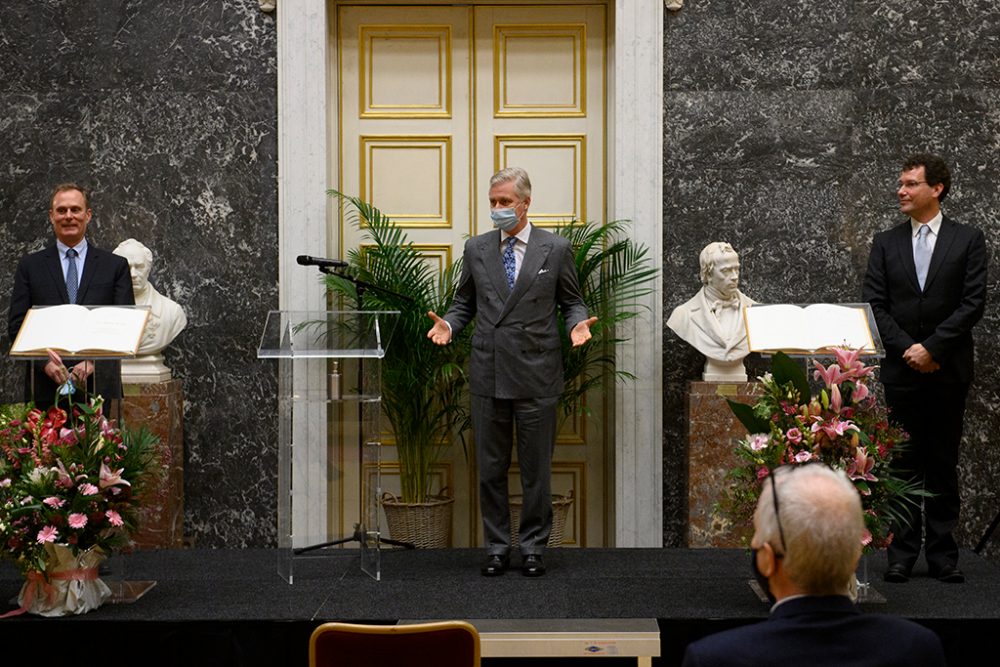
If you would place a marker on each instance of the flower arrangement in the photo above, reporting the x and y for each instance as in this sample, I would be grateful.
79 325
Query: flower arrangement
842 425
69 478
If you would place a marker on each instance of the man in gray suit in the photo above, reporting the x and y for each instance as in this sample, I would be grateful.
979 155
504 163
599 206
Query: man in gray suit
513 279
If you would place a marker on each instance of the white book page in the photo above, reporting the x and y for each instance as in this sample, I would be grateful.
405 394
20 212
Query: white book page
838 326
56 327
777 327
73 328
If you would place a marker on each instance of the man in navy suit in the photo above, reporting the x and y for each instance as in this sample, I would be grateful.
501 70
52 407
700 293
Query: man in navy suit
926 283
101 278
514 278
805 548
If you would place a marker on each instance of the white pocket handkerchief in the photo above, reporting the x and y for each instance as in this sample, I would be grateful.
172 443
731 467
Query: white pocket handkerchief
540 272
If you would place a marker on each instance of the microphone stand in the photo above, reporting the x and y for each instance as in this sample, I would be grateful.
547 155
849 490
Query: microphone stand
359 535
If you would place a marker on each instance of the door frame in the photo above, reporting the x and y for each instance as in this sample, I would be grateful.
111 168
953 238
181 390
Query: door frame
635 189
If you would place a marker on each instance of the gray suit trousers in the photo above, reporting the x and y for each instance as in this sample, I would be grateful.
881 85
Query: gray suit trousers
494 423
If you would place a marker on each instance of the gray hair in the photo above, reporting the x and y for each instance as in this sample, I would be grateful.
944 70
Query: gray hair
822 524
710 254
522 185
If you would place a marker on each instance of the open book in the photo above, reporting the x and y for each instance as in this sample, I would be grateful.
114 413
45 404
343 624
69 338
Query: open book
807 329
72 330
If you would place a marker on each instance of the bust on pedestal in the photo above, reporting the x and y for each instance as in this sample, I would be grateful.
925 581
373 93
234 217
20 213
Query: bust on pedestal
712 320
166 318
156 400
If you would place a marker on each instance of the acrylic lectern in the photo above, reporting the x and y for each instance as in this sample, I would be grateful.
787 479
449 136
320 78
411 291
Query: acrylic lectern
329 429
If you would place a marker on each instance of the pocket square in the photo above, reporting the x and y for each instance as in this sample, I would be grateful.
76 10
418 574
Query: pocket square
541 271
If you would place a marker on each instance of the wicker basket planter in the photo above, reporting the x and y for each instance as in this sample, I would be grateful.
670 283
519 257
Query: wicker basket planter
424 525
560 511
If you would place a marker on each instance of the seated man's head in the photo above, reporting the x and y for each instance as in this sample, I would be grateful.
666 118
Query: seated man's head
720 268
808 539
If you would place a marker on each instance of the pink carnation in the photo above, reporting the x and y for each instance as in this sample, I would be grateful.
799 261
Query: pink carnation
54 502
114 518
88 489
77 520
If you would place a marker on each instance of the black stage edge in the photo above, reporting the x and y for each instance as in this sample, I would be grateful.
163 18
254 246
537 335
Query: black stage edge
230 607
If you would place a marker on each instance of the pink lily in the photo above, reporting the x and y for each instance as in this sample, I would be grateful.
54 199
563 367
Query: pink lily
860 392
860 467
849 361
836 400
109 478
831 375
834 427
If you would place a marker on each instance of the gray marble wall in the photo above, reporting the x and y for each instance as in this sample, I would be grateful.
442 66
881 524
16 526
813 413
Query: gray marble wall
168 112
785 124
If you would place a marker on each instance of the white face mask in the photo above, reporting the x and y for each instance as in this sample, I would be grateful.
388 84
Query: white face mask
504 218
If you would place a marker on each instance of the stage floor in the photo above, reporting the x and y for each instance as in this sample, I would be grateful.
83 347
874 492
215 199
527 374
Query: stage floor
234 600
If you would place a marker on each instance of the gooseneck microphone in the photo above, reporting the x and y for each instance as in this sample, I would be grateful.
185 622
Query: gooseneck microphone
306 260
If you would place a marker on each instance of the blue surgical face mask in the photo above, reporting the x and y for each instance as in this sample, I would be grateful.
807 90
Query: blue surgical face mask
504 218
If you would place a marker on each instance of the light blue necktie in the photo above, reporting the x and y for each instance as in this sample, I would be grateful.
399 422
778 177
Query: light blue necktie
922 254
72 277
509 263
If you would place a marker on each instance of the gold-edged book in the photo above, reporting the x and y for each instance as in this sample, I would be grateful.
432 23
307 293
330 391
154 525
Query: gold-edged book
81 331
808 329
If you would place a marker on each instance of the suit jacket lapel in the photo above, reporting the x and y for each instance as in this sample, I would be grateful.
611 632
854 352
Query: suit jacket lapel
946 236
489 252
90 267
54 266
535 255
904 246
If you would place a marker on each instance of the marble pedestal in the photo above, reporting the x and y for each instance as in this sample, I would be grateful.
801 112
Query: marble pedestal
712 431
160 407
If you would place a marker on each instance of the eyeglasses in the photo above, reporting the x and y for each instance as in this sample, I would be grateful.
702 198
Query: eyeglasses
909 185
774 495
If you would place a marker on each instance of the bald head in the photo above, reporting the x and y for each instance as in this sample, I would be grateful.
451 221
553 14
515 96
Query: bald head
821 525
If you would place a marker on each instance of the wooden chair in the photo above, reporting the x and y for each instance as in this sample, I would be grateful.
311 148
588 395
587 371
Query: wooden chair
441 644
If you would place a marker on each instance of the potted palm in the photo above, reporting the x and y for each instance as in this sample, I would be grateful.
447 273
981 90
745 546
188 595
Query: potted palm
423 385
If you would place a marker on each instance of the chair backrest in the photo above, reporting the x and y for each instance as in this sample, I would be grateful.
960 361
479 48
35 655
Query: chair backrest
442 644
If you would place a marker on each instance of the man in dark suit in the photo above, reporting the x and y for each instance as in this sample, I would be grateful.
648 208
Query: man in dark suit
926 283
70 271
806 545
513 280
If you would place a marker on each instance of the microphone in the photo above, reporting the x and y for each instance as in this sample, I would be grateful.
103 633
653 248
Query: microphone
306 260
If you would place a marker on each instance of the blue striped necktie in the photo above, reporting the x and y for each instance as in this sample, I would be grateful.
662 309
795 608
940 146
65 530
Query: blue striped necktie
72 277
922 254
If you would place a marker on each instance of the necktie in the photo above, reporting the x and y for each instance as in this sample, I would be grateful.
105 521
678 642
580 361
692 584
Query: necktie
922 254
509 264
72 278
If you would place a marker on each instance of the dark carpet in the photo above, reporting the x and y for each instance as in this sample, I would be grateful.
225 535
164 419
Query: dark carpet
233 604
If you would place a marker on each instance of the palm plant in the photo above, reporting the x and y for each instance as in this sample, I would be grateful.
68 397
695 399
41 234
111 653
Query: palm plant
614 273
423 385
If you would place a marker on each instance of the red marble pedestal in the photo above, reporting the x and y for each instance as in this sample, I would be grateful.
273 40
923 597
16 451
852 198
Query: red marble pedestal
712 432
160 407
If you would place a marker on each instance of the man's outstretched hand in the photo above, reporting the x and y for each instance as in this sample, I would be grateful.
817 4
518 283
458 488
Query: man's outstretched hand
581 332
440 333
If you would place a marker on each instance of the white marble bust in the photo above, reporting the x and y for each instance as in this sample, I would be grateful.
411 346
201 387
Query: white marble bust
166 318
712 320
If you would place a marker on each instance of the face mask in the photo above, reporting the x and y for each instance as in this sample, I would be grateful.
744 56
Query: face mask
504 218
760 578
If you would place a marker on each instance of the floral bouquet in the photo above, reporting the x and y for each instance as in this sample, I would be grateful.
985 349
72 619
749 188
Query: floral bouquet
843 426
70 483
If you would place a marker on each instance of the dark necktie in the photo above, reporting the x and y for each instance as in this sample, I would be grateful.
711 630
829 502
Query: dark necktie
509 264
922 254
72 278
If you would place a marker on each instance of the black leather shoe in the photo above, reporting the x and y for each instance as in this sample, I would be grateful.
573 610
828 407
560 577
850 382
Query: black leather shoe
949 574
532 566
897 574
495 565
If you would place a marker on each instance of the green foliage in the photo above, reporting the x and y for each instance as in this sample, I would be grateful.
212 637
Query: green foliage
614 274
423 385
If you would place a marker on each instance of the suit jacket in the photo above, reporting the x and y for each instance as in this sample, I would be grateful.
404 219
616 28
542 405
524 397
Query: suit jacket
819 631
39 281
940 316
516 348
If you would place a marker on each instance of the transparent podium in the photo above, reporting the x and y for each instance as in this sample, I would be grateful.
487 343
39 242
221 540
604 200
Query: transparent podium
329 405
